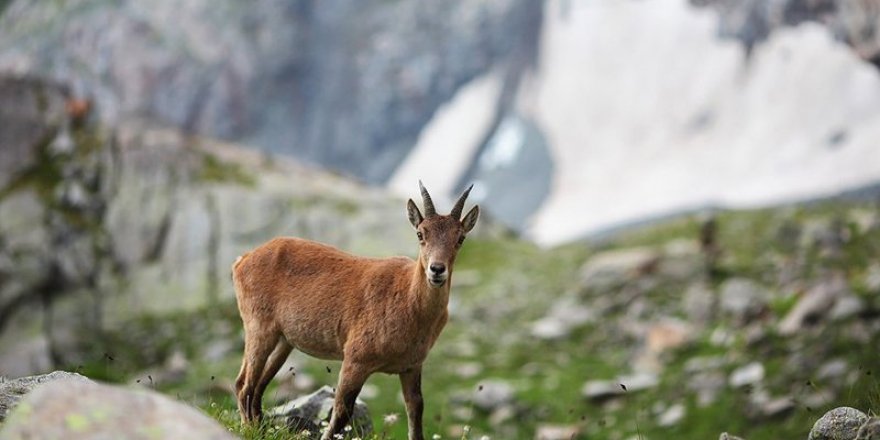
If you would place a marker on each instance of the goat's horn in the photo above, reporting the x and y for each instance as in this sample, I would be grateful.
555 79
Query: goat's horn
459 205
429 204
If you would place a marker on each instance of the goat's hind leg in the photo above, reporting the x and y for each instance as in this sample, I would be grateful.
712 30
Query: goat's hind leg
258 345
276 360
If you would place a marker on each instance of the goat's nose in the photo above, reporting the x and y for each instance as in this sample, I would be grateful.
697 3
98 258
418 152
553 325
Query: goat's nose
438 268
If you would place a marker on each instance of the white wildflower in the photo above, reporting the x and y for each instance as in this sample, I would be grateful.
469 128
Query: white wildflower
390 419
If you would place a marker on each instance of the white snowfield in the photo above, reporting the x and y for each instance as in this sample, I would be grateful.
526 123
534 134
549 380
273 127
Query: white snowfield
647 112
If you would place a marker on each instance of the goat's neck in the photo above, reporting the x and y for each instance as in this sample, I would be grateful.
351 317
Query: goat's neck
429 301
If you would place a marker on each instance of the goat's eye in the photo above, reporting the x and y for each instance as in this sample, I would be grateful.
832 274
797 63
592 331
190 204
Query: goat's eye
421 237
460 240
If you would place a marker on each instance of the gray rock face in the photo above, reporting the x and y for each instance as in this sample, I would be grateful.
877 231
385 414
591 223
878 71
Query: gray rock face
856 23
347 85
147 220
12 391
80 409
307 413
838 424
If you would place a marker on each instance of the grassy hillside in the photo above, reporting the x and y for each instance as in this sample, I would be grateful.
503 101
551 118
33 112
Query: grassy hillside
627 290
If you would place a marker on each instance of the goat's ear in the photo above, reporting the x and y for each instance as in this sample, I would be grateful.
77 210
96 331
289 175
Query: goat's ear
470 220
412 211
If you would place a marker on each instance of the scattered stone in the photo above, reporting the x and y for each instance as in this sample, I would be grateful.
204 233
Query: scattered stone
847 307
704 363
564 316
612 268
721 337
672 415
307 412
833 369
743 299
698 303
872 278
599 390
778 407
661 337
707 386
870 430
840 423
492 394
502 415
813 305
467 370
557 432
11 391
726 436
749 374
76 408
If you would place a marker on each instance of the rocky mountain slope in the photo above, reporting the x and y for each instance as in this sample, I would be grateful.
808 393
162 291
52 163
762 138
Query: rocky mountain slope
346 85
100 224
574 118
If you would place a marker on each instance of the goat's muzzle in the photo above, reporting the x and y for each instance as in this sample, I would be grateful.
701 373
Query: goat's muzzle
437 274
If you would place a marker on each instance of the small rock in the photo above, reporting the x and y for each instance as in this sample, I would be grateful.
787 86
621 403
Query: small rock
611 268
704 363
749 374
660 337
840 423
466 370
872 278
726 436
870 430
814 304
707 386
846 307
492 394
833 369
557 432
743 299
502 415
80 409
777 407
672 415
598 390
563 317
307 412
698 303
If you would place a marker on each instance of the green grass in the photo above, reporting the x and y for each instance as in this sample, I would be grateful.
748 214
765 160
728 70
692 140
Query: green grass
514 282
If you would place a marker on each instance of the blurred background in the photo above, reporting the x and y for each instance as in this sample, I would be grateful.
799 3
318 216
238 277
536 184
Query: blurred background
680 196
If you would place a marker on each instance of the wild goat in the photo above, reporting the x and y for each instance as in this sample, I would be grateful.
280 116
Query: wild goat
376 315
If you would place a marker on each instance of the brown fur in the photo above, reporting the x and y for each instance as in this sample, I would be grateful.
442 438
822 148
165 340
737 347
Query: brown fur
376 315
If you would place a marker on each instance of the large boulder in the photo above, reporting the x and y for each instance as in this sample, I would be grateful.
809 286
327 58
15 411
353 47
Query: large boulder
78 409
12 391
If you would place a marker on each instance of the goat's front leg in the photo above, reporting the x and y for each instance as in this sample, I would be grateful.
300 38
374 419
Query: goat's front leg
351 378
411 383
